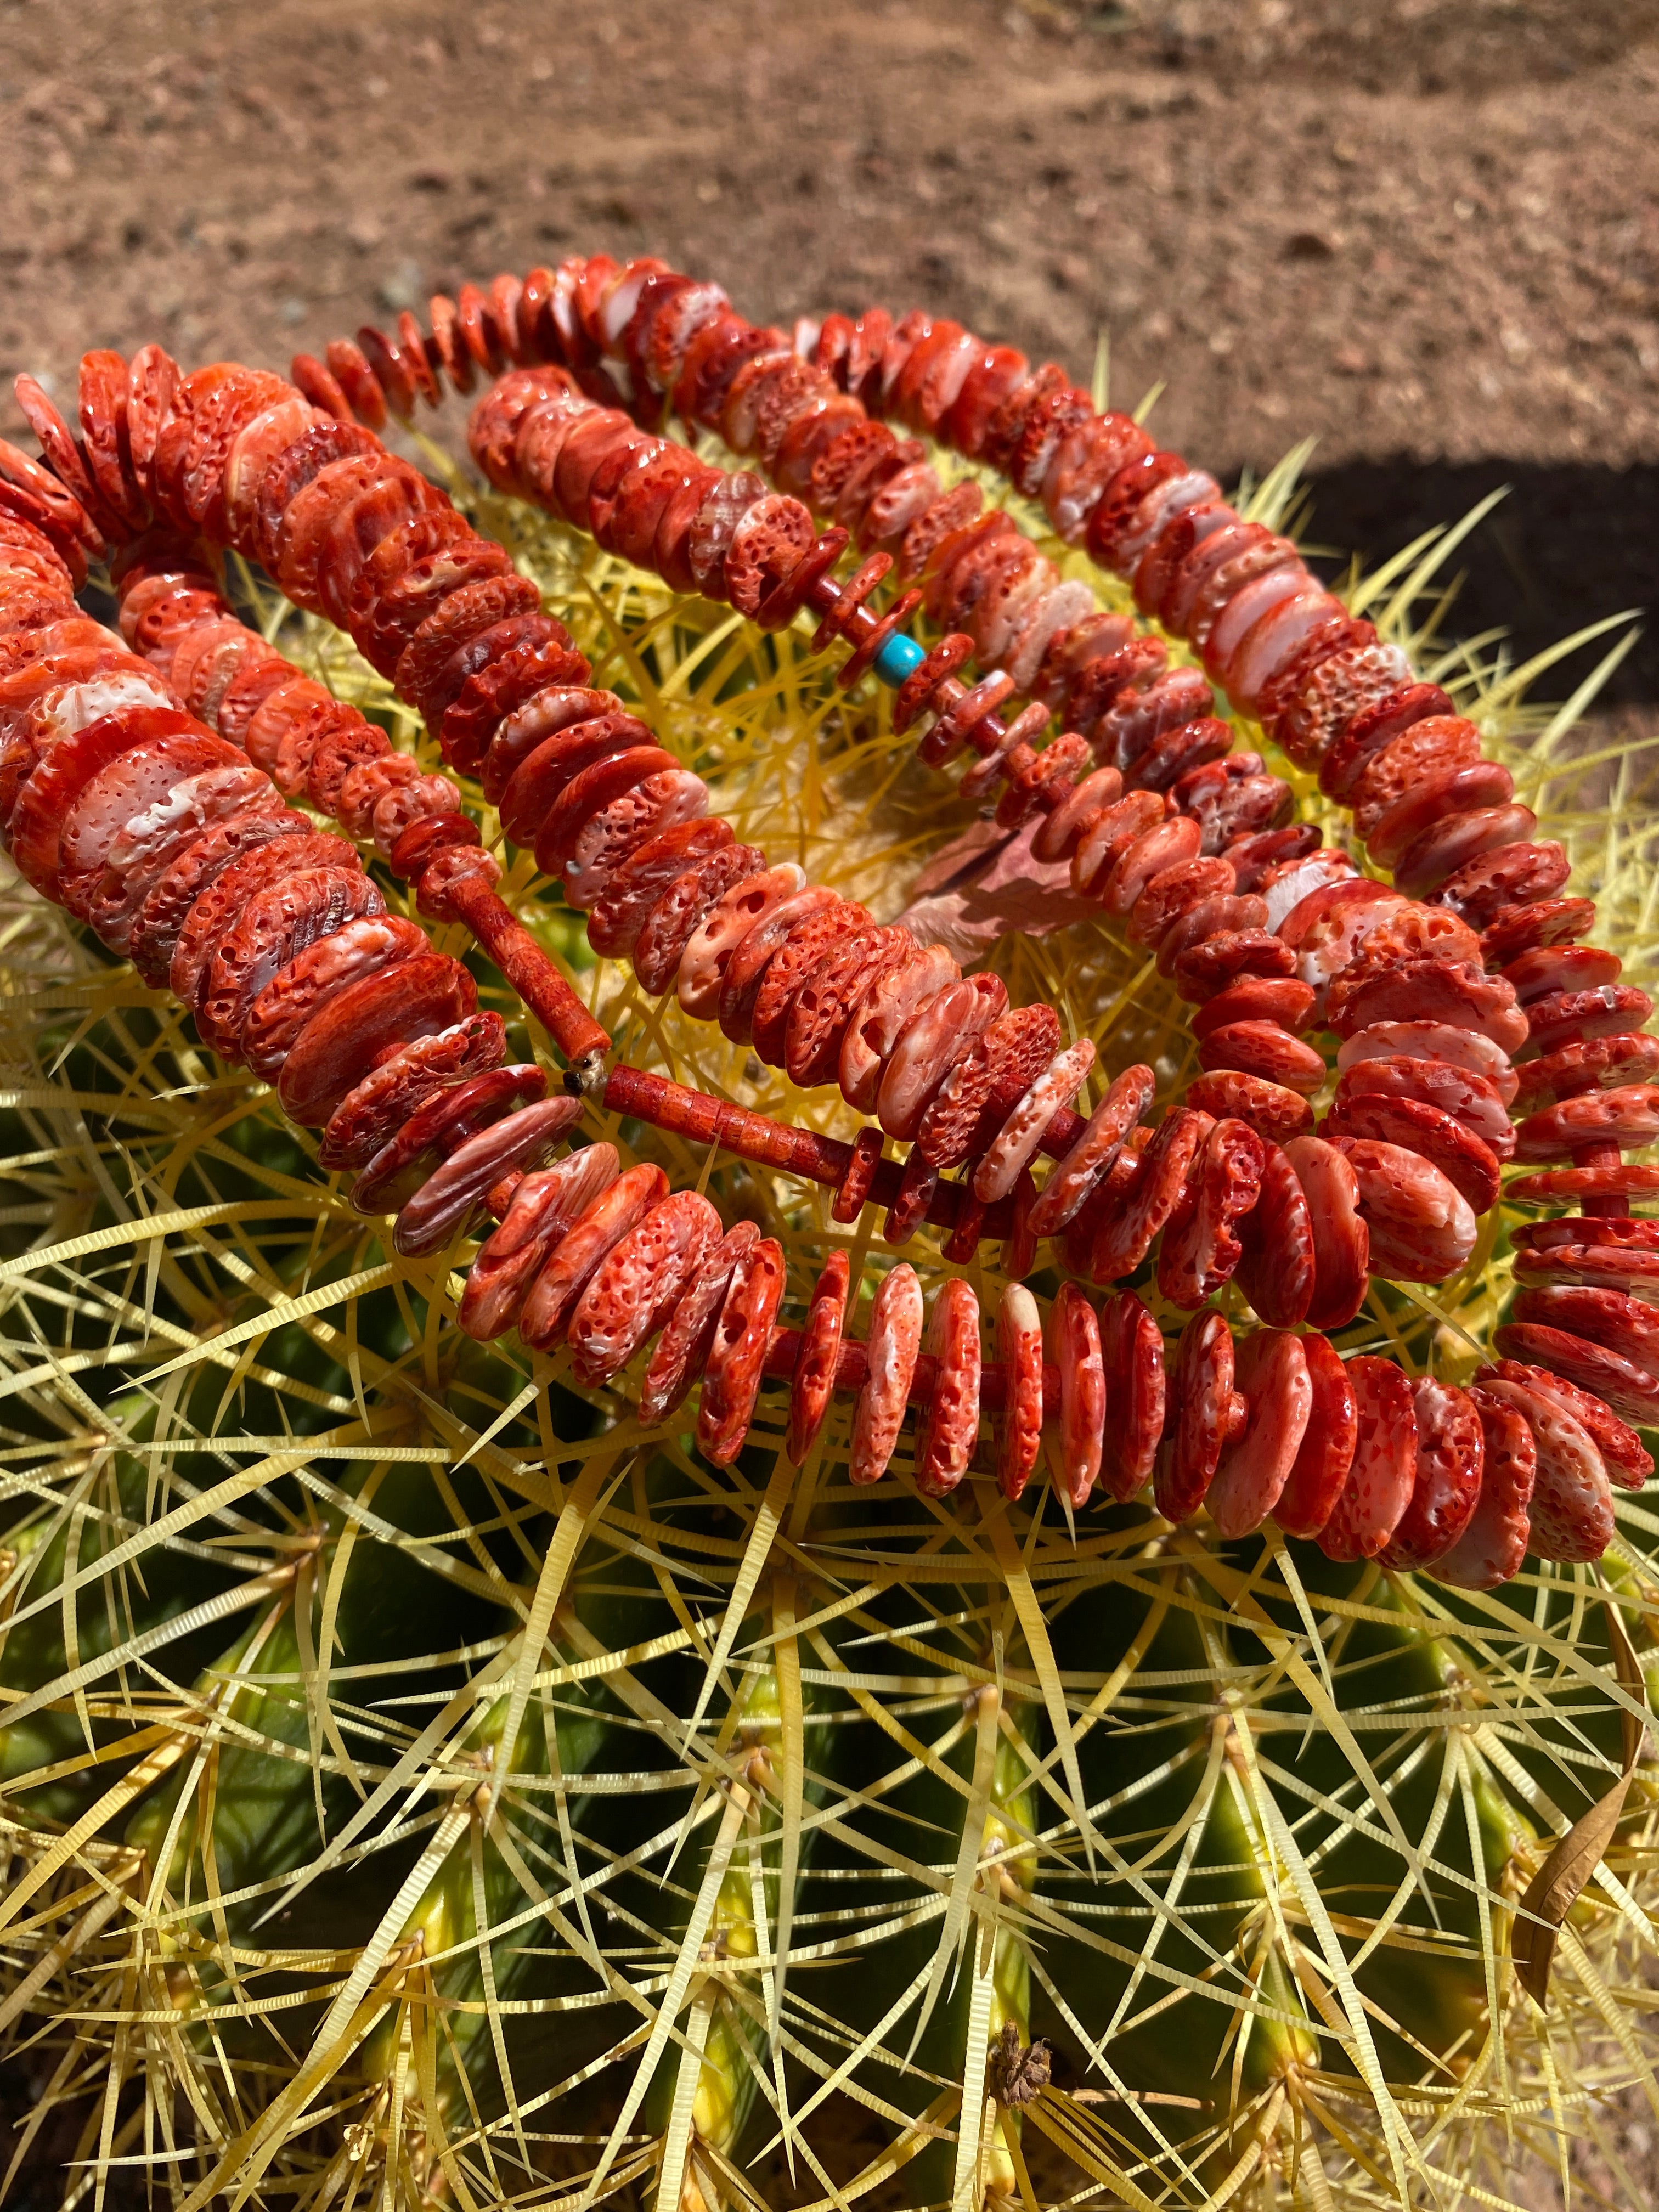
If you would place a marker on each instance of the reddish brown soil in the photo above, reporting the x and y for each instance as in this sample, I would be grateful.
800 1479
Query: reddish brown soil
1425 231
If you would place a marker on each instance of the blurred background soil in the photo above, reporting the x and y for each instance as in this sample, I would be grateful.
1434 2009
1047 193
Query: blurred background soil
1425 232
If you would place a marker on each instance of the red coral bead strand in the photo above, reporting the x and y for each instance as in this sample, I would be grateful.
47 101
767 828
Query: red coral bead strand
1286 649
279 483
626 486
181 853
668 334
1326 687
471 1146
505 408
523 434
1123 877
1431 810
645 497
295 726
697 919
637 1095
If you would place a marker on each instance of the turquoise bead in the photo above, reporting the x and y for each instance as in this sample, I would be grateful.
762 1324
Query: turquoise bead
898 657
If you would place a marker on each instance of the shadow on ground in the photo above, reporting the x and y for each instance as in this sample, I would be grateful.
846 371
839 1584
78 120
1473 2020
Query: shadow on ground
1566 546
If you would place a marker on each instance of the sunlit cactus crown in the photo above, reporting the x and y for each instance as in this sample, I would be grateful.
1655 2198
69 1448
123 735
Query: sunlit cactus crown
737 1481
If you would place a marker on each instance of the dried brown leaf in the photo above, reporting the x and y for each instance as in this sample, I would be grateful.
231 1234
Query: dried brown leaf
1560 1882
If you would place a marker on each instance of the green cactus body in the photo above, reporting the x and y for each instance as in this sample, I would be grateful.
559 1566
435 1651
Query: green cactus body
1007 1854
447 1965
437 2015
1156 1768
965 1966
1428 1985
728 2010
109 1613
266 1800
1177 1789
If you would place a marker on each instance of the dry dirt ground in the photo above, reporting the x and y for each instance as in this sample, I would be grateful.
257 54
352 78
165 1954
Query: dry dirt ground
1423 231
